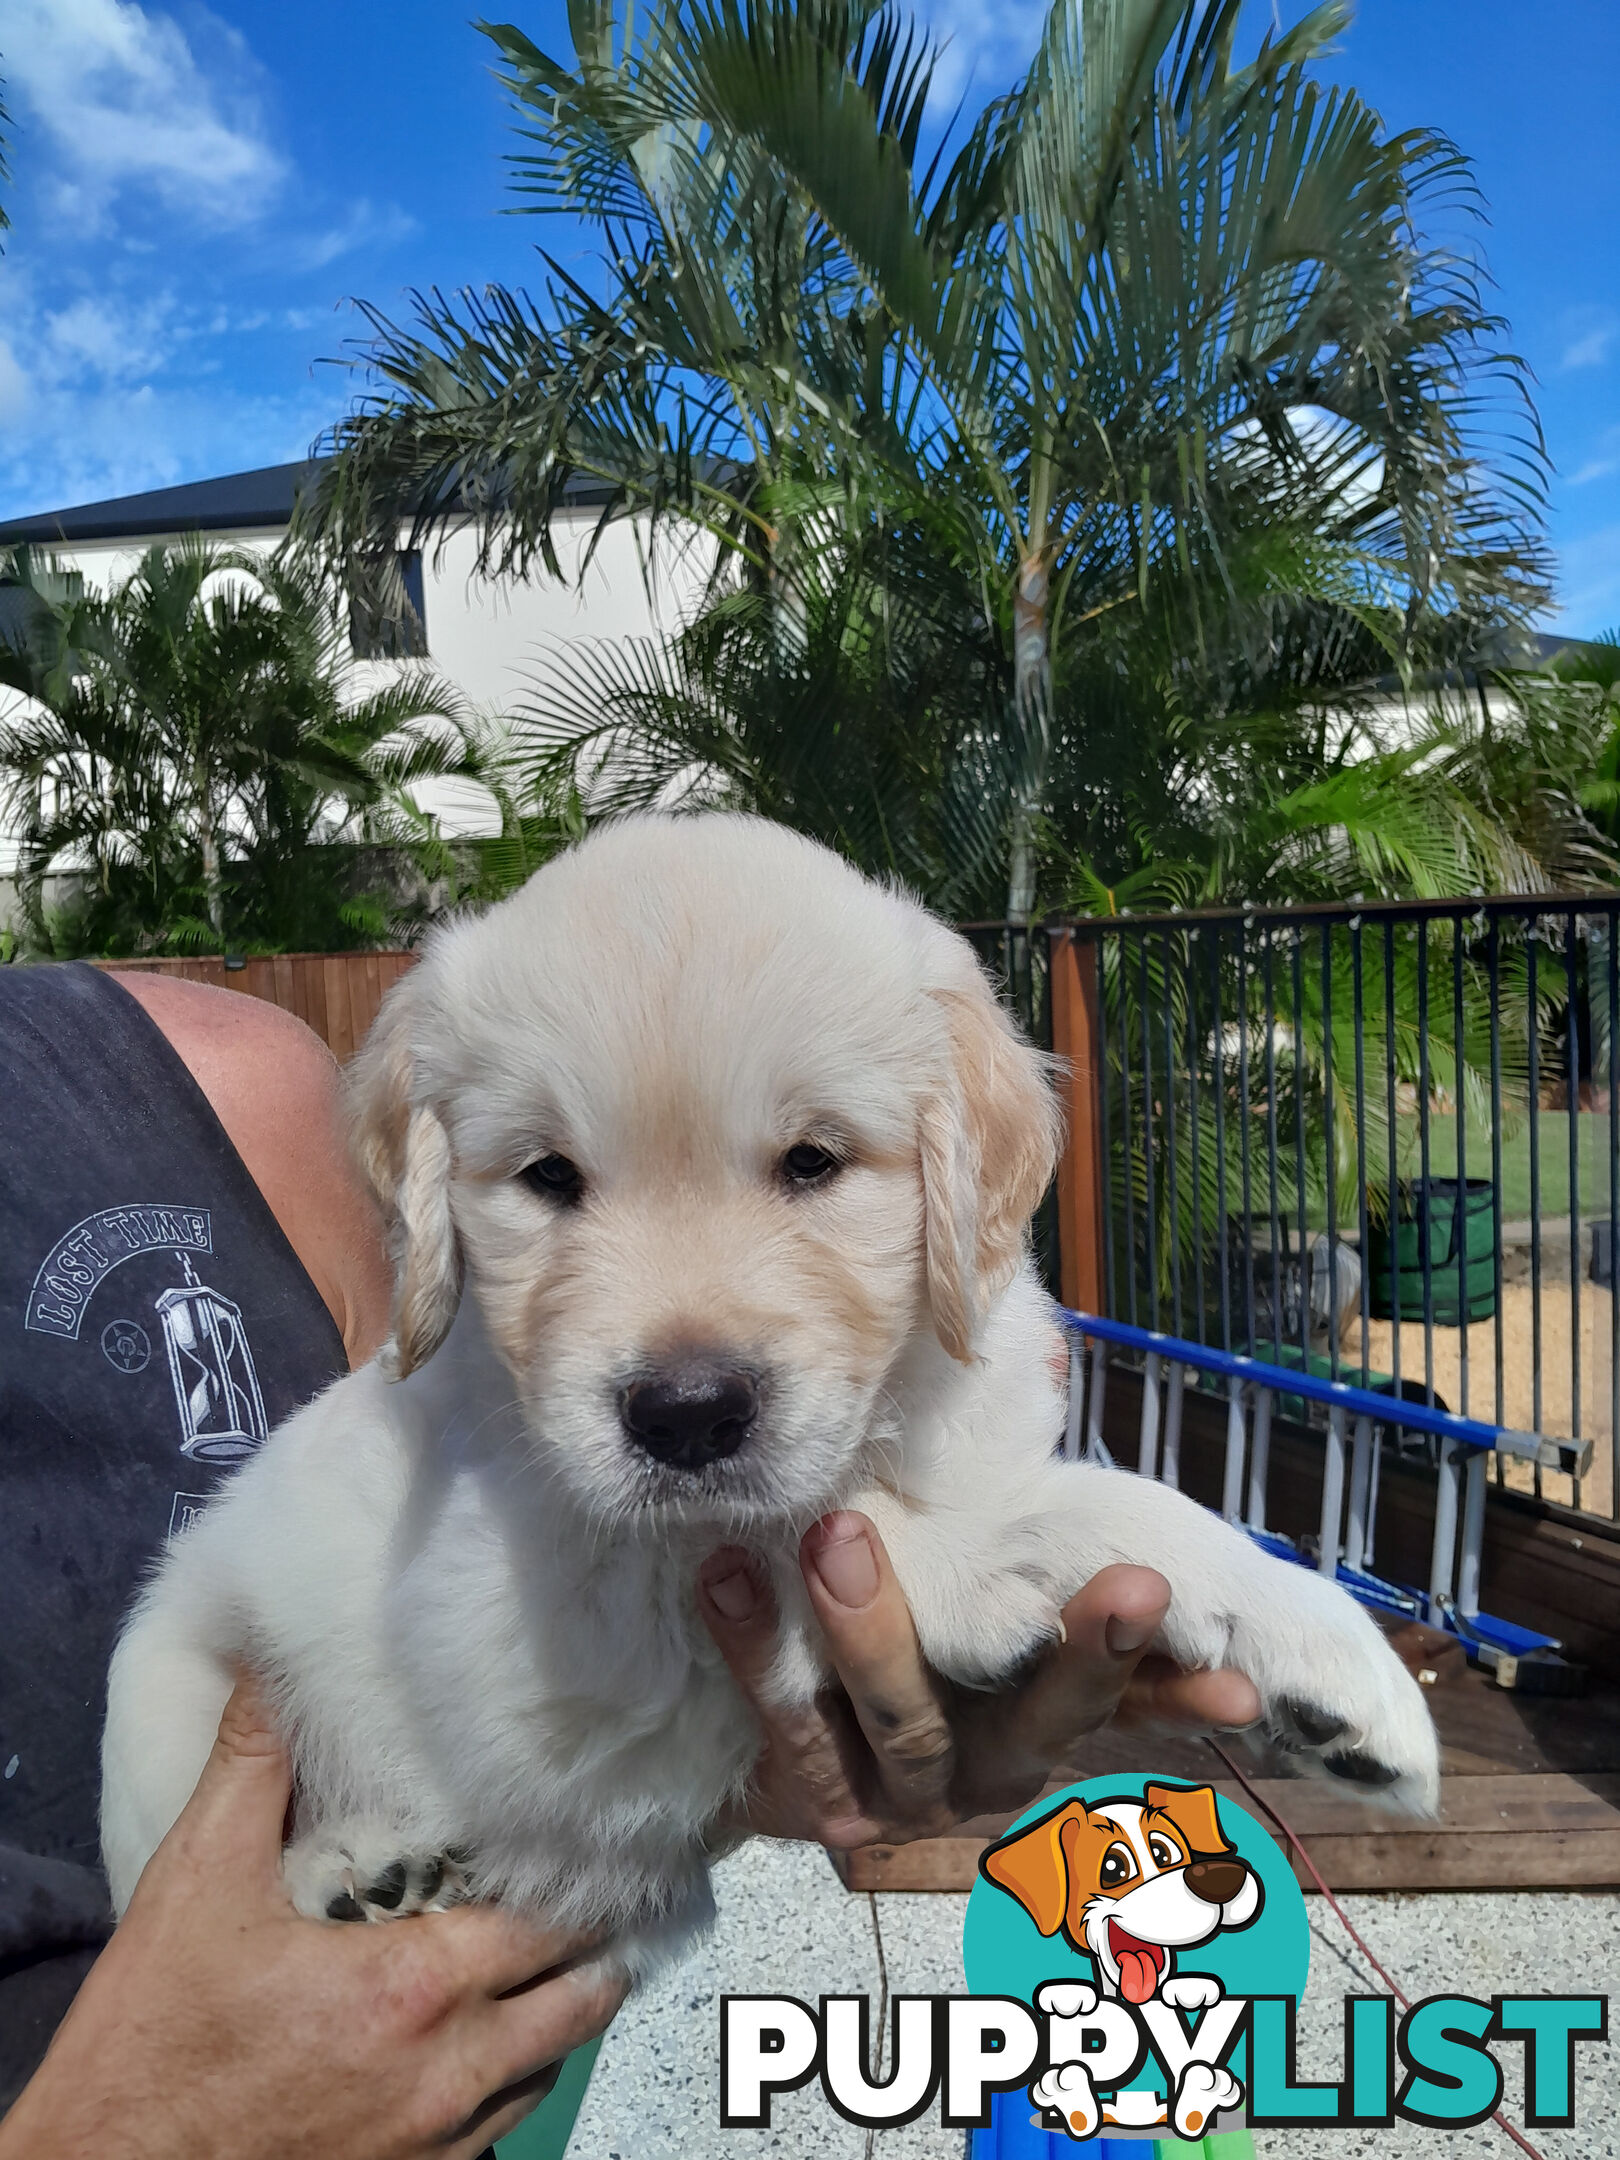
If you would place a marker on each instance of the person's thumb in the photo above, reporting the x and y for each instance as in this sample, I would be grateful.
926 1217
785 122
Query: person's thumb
234 1818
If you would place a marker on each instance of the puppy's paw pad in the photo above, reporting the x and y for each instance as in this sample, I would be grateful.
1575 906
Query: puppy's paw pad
1337 1699
360 1878
1361 1769
1309 1725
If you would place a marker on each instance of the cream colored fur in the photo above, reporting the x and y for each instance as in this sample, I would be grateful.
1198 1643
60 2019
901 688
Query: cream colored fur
473 1597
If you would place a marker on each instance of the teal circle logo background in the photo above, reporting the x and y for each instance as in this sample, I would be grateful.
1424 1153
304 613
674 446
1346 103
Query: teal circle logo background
1004 1953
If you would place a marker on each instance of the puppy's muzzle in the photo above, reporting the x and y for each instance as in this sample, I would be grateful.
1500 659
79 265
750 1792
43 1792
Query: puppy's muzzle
690 1412
1217 1882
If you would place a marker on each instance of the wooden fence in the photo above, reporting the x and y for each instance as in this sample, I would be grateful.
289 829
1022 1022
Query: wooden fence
336 994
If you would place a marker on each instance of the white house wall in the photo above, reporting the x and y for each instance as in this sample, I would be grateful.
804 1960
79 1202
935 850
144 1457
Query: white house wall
488 639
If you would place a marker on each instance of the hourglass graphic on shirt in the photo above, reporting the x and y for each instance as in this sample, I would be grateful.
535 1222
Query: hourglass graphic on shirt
216 1389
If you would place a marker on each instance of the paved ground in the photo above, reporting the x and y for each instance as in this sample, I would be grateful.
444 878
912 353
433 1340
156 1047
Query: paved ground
787 1926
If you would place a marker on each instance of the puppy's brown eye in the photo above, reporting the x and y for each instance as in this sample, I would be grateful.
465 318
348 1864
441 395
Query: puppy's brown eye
807 1165
554 1177
1117 1867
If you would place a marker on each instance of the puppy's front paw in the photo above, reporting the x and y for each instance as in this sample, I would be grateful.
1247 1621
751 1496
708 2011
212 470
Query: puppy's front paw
356 1871
1333 1693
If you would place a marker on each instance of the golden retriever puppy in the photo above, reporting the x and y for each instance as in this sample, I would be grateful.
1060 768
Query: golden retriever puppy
709 1166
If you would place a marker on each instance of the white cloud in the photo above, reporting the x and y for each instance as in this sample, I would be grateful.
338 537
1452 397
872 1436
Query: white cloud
123 100
15 388
1603 460
101 338
106 393
367 224
1591 348
986 47
1590 582
80 446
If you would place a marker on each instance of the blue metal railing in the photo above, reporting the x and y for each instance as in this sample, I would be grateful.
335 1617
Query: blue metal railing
1349 1507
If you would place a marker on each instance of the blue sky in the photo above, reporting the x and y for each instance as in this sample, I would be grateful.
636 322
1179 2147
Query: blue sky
199 190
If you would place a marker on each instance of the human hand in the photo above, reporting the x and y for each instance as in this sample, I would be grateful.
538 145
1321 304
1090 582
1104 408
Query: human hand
895 1753
220 2025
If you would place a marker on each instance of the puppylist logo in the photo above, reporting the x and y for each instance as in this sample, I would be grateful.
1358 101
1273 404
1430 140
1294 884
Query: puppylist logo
1137 1949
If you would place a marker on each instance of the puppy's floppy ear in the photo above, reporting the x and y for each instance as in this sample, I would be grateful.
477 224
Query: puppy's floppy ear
1194 1813
990 1131
1033 1867
404 1152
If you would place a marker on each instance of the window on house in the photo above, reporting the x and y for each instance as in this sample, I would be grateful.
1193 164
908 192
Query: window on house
393 627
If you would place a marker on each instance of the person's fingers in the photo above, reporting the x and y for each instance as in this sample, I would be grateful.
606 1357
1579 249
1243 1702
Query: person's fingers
502 2112
868 1627
1010 1742
807 1750
739 1610
1161 1694
1107 1627
541 2024
235 1816
497 1953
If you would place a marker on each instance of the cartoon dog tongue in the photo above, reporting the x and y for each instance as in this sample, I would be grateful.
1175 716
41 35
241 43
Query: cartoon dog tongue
1139 1964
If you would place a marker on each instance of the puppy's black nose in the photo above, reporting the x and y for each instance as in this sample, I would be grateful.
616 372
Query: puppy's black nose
691 1412
1217 1882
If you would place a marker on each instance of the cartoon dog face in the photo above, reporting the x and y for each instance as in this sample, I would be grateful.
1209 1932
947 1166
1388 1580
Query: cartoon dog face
1129 1882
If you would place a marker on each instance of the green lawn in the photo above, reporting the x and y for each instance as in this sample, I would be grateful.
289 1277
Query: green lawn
1592 1141
1552 1134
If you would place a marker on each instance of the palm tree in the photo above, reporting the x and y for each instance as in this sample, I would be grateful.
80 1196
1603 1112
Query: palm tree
1161 340
198 719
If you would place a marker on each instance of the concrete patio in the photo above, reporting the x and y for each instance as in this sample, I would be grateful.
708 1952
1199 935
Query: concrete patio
787 1926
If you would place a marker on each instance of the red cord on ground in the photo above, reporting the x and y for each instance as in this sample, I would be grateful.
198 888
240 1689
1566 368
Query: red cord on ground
1311 1869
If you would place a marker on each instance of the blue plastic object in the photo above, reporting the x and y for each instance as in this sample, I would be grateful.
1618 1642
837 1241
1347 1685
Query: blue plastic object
1484 1635
1335 1394
1014 2135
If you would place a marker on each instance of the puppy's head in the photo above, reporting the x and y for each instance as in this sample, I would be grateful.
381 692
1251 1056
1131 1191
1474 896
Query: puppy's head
1130 1881
714 1129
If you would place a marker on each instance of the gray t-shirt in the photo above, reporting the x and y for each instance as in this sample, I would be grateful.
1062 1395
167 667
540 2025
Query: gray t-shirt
154 1325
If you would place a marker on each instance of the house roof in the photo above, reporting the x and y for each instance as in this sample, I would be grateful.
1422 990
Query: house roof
237 502
261 500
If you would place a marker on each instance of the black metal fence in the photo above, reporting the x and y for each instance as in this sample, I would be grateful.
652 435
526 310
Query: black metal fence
1379 1143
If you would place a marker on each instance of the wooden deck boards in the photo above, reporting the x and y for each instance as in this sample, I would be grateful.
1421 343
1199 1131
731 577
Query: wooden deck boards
1530 1797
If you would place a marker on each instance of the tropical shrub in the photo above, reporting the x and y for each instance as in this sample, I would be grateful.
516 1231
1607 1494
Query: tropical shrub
185 755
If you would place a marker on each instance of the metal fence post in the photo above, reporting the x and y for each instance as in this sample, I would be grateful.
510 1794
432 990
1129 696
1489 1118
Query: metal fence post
1147 1446
1259 1459
1473 1538
1443 1555
1094 1399
1077 1396
1327 1559
1361 1461
1170 1460
1232 1484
